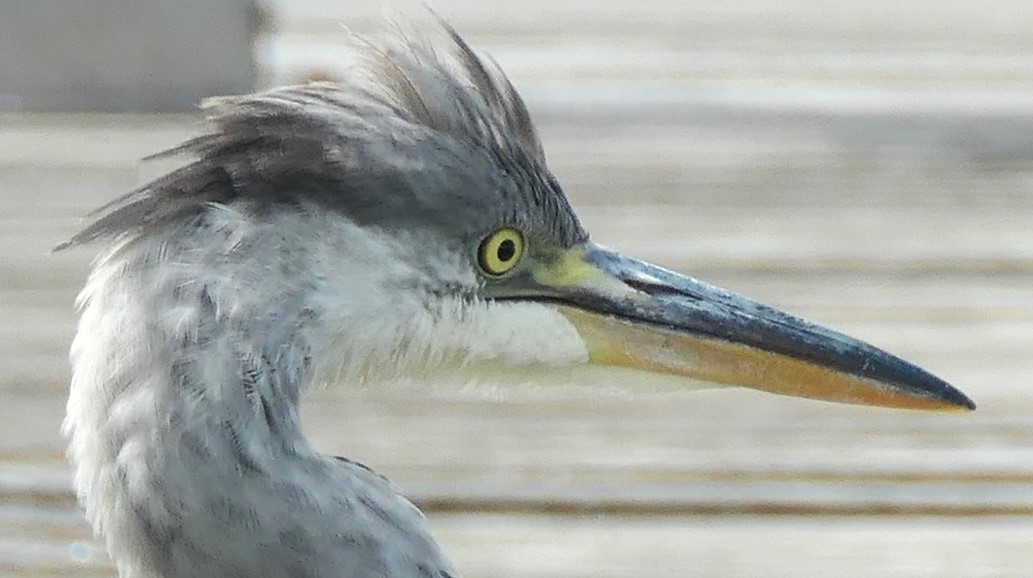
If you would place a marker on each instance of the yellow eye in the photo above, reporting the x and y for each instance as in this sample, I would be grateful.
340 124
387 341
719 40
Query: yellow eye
501 251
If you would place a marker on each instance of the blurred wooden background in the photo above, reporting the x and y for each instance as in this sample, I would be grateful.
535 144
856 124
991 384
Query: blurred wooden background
868 165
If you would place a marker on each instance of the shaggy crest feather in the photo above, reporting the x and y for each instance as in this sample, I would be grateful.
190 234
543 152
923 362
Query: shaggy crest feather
318 233
334 143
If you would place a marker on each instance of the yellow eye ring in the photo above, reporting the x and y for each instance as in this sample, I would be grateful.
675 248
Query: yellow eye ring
500 251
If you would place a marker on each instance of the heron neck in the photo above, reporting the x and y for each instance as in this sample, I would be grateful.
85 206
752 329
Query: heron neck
183 404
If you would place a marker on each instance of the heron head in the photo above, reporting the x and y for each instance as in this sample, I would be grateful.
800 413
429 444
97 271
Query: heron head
440 242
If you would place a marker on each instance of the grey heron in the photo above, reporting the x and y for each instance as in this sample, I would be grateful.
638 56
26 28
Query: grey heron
401 223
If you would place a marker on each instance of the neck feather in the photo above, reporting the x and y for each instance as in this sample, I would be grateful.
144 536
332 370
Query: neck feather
195 343
182 384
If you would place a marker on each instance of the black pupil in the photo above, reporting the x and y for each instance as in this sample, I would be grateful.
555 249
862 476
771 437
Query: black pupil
507 249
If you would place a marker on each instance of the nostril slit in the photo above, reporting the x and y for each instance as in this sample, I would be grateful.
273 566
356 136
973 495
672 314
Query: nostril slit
655 288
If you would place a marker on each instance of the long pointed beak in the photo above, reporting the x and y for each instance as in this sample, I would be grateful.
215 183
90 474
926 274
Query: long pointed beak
634 314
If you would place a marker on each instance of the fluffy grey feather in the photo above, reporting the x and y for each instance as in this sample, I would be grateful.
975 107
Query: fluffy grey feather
316 236
422 133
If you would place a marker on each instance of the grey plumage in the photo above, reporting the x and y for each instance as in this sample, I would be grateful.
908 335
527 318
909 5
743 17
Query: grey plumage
421 133
228 284
401 224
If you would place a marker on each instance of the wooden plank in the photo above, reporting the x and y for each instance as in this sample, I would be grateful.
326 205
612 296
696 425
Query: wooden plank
612 546
878 44
551 450
746 547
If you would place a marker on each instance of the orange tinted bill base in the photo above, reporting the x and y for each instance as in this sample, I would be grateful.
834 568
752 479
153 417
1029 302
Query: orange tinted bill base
618 342
637 315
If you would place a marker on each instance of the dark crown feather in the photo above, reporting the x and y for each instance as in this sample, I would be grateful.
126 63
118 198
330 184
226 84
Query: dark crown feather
310 136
